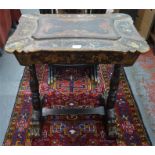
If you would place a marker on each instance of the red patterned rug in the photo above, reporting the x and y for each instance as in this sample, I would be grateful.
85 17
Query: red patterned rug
73 88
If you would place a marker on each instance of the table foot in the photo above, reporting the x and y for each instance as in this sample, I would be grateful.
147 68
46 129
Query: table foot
111 128
35 130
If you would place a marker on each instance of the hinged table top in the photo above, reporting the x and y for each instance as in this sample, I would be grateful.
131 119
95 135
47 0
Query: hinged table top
63 32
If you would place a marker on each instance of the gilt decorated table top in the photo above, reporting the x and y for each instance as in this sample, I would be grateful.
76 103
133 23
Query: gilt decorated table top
73 33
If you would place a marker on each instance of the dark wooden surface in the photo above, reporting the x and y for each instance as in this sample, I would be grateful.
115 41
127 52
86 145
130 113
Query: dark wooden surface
36 103
52 27
111 100
92 57
109 38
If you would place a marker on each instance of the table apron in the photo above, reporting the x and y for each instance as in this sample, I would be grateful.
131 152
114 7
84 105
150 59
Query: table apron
126 59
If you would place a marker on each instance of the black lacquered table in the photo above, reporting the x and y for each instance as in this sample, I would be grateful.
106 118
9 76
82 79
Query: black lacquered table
76 39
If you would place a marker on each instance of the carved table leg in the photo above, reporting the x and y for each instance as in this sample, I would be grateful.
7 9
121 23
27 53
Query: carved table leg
36 114
110 113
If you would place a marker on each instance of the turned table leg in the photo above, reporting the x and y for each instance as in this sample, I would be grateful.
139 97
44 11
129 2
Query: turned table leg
36 103
110 112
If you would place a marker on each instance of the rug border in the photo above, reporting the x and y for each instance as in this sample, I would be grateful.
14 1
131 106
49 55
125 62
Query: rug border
13 108
139 113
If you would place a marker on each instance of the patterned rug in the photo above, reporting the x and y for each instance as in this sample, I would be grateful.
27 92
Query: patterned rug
142 81
73 88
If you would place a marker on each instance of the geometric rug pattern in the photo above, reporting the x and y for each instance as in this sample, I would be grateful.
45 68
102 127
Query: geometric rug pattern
74 88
